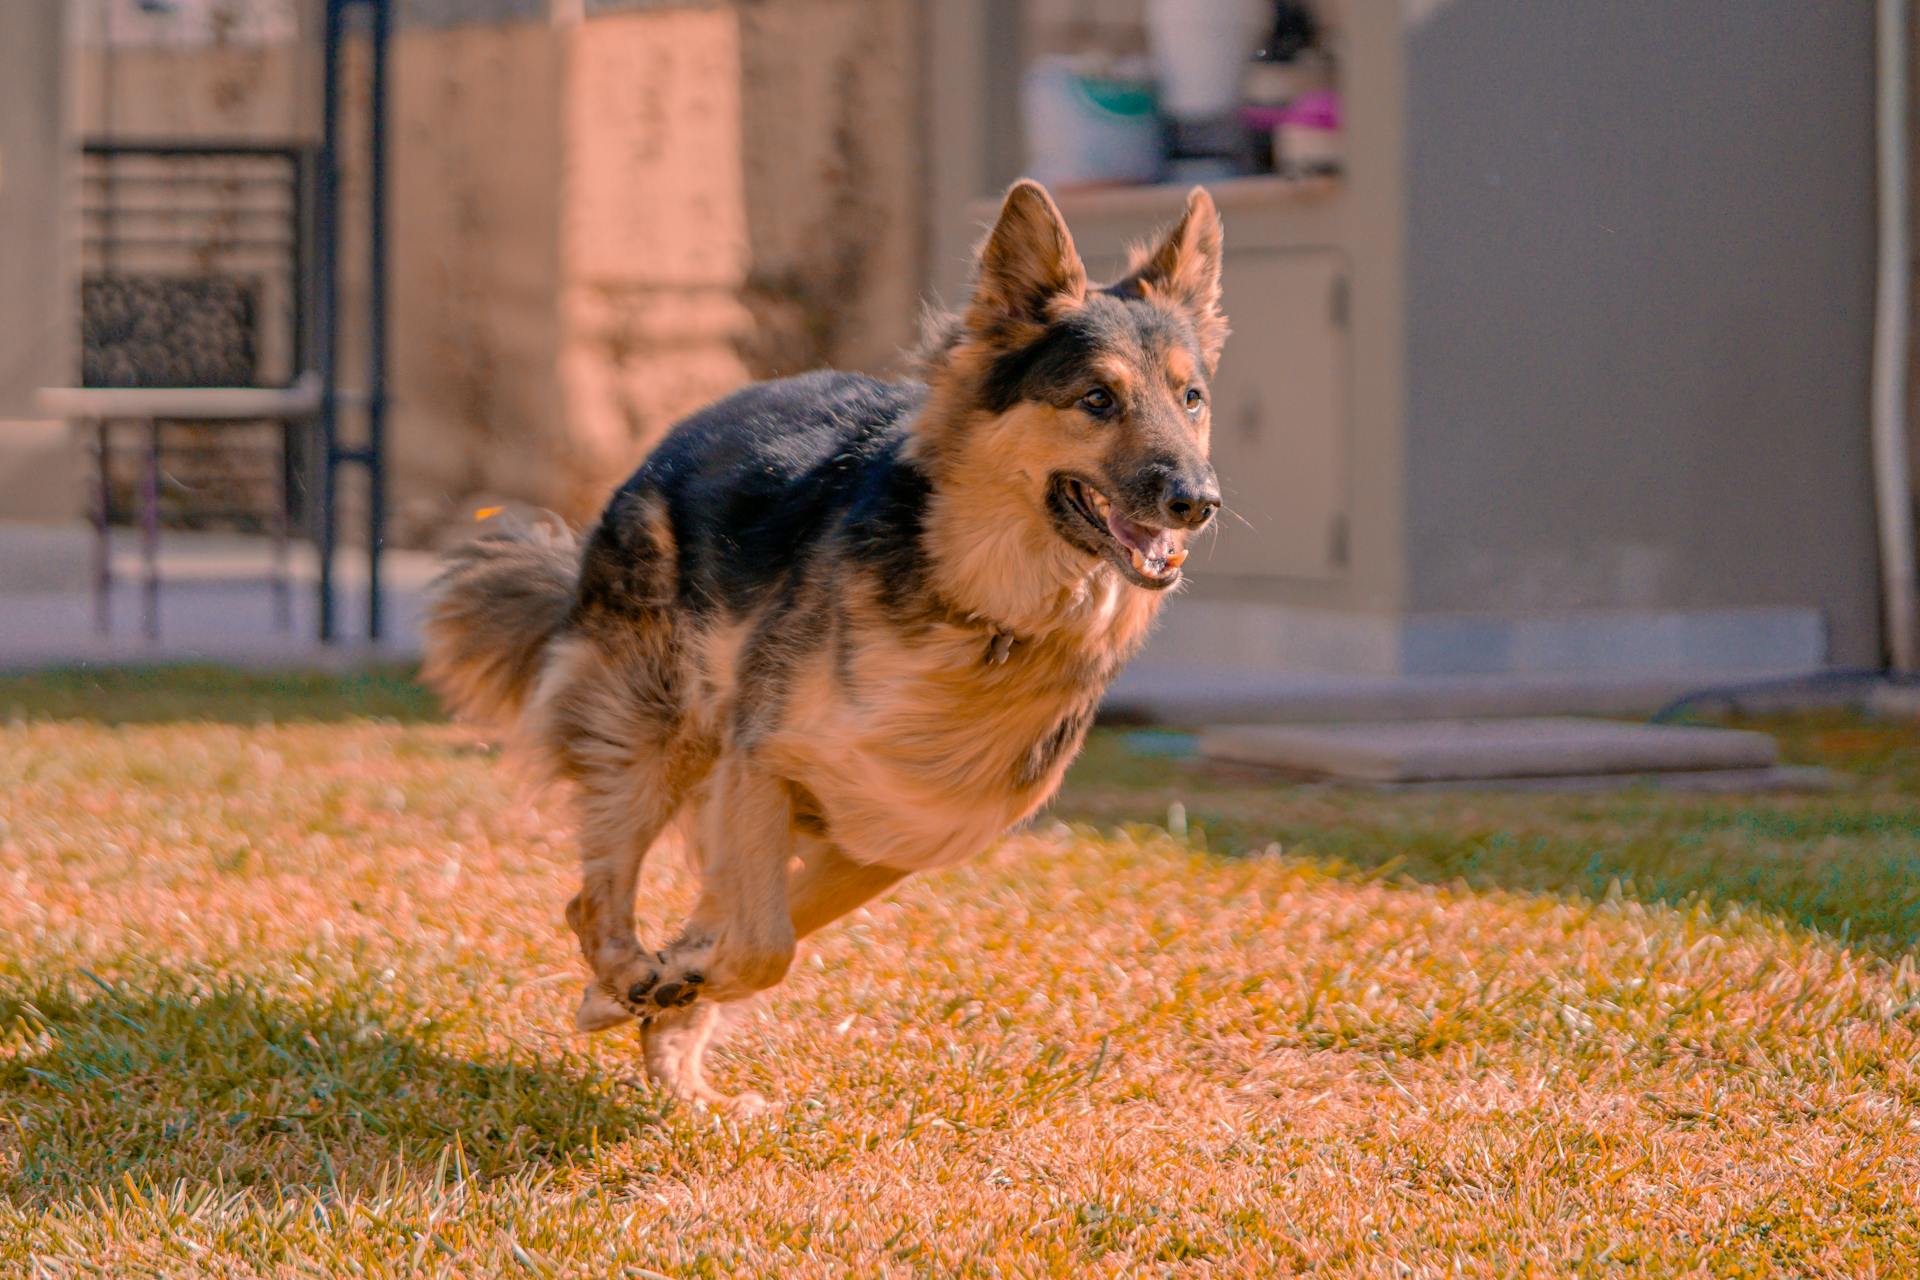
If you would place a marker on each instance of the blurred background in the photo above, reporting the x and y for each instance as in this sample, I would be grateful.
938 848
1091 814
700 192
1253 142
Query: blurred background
1555 325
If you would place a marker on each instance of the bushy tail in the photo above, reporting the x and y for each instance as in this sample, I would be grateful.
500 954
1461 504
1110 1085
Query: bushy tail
497 603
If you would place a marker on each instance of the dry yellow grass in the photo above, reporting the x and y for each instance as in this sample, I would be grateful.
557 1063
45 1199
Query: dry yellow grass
293 999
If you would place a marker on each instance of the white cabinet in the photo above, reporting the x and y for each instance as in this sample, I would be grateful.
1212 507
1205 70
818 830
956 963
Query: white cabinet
1280 417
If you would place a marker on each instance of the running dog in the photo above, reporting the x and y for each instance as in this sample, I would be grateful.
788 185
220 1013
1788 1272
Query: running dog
839 630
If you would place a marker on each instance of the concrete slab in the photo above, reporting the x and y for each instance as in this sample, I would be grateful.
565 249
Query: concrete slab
1435 751
1164 693
1795 779
1892 701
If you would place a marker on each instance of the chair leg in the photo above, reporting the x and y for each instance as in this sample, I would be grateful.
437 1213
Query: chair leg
102 529
150 527
283 519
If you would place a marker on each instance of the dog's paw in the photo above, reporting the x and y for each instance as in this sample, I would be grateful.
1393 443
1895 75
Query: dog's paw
740 1106
651 983
662 987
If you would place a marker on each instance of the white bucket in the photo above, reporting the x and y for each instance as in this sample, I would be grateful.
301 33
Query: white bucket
1201 49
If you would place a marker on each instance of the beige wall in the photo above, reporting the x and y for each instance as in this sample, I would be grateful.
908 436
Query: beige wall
226 92
476 270
600 224
39 467
741 202
33 340
1606 372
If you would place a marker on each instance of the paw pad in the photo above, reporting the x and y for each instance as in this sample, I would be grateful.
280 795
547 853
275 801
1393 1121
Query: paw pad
649 995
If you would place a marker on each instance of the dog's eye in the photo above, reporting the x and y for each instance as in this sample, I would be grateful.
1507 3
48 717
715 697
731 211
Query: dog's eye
1195 399
1098 402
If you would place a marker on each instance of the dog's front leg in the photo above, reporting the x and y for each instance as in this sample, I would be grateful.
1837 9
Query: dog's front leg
823 888
740 938
748 838
622 814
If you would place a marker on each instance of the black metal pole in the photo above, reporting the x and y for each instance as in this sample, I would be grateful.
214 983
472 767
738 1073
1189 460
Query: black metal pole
376 452
327 298
103 532
150 528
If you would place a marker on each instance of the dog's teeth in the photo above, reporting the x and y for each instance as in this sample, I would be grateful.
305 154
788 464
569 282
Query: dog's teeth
1177 558
1139 561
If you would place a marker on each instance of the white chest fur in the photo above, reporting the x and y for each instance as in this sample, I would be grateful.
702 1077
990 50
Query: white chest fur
924 749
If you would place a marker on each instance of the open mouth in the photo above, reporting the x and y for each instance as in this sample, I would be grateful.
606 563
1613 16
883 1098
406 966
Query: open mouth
1146 556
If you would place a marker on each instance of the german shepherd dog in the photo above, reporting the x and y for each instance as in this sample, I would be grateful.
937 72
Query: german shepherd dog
838 630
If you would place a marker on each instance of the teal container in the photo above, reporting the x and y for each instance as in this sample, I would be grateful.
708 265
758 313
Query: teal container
1085 129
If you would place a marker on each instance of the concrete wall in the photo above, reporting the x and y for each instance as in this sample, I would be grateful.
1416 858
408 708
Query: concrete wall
40 476
34 344
1639 287
743 200
614 219
603 216
478 156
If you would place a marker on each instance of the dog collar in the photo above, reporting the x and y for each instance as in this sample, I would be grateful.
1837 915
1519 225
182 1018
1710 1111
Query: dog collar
1000 637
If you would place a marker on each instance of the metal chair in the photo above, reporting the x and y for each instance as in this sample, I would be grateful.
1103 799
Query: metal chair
196 298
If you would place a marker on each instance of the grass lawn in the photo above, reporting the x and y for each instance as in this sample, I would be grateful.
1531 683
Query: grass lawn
284 989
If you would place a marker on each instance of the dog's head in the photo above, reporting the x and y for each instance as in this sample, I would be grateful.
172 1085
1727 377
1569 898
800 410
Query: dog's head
1092 401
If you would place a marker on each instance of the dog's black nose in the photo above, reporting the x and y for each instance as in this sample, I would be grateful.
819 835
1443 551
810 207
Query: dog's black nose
1191 500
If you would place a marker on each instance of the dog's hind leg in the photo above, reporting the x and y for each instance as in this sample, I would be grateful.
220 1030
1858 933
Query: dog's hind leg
829 884
675 1046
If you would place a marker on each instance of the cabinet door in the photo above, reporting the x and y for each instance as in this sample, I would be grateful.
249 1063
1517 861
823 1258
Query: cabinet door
1280 417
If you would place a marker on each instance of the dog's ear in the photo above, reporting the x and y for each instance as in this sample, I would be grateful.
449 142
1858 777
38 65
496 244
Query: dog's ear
1028 270
1184 270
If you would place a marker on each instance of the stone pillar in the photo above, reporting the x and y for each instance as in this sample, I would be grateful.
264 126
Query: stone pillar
39 476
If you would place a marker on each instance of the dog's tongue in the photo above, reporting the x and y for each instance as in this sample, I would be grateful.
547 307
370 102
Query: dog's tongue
1151 547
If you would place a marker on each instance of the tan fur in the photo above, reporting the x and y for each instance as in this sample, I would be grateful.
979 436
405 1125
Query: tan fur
929 743
491 611
890 746
995 552
1183 269
1027 259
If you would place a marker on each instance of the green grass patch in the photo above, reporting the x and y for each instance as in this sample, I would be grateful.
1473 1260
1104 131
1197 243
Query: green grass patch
284 990
170 694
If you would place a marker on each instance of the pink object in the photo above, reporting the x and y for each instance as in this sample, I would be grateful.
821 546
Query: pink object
1313 111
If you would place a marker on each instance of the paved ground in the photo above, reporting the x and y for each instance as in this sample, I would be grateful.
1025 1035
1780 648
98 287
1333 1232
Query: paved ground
216 604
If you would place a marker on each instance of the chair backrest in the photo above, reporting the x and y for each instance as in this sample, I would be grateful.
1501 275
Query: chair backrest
194 264
169 331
